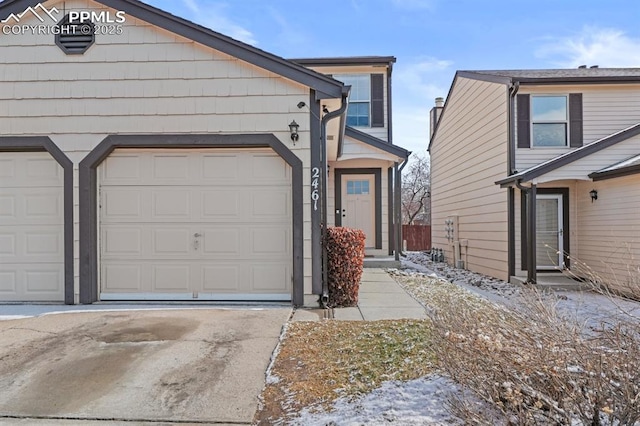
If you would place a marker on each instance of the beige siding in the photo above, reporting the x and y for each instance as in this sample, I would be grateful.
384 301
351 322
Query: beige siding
607 109
609 230
580 169
468 155
144 81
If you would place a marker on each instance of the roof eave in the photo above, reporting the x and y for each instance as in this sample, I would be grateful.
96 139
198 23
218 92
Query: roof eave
377 143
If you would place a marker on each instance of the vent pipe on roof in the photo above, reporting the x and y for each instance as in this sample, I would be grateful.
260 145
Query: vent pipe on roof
594 66
439 102
582 66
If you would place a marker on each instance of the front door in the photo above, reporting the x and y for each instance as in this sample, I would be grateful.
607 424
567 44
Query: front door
358 210
549 232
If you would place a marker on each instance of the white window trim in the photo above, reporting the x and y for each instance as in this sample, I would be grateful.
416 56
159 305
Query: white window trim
368 101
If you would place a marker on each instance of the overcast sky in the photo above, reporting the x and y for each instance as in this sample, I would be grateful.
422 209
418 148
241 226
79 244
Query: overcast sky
431 39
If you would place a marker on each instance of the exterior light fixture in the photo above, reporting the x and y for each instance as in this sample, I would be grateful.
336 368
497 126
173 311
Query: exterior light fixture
594 195
293 128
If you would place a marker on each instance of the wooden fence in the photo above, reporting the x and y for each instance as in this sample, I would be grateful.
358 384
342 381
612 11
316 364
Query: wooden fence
418 237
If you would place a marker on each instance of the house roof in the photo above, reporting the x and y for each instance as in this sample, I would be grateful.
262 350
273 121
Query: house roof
326 86
571 156
353 60
627 167
558 76
376 143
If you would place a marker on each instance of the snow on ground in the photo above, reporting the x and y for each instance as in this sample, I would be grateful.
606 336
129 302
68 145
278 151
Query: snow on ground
587 306
416 402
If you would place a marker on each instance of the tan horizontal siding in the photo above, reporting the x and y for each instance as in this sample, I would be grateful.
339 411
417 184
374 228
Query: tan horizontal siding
468 155
607 109
609 230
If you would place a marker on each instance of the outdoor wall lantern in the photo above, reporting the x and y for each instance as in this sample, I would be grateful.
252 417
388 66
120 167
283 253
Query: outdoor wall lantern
594 195
293 128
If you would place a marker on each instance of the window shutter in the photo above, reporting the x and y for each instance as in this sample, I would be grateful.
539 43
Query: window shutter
575 120
377 100
524 122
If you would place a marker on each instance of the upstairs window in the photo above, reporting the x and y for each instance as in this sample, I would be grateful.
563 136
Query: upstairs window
549 121
359 99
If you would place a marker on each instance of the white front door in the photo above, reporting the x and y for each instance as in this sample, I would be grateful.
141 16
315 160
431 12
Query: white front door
358 205
549 232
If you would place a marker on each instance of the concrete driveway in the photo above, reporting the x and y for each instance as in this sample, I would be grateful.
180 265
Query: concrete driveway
191 365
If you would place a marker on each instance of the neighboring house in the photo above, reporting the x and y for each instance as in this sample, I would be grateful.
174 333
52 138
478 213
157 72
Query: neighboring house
155 159
533 170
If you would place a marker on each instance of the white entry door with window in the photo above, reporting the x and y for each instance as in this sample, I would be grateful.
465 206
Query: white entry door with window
358 205
549 232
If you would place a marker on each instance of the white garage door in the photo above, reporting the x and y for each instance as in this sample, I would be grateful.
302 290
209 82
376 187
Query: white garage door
195 224
31 227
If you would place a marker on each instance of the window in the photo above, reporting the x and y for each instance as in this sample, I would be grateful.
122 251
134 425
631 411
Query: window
549 118
359 99
357 187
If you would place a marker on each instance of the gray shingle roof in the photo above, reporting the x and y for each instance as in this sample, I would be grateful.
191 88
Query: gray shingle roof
570 74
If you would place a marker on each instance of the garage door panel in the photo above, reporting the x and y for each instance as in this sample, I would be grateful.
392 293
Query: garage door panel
274 242
220 204
171 204
121 168
220 278
31 227
170 167
171 278
270 278
221 168
270 204
121 203
202 226
122 277
174 242
268 168
222 242
118 241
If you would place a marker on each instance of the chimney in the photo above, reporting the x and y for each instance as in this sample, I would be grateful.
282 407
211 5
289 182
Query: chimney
434 115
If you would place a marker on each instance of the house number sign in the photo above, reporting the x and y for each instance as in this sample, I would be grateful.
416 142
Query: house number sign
315 193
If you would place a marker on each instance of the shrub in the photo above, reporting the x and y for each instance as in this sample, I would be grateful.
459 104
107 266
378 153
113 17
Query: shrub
345 256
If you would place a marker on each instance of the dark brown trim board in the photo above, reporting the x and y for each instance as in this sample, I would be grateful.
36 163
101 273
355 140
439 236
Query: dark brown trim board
566 236
316 213
43 143
377 173
88 195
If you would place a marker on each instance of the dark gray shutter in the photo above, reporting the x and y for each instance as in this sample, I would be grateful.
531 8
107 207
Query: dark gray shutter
575 120
377 100
524 121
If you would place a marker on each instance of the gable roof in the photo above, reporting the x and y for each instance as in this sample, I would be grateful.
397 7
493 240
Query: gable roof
376 143
326 87
571 156
558 76
630 166
344 61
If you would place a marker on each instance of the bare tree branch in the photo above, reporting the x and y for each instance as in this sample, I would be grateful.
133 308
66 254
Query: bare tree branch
416 191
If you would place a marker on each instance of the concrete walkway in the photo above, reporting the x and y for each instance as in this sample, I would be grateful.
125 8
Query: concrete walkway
380 297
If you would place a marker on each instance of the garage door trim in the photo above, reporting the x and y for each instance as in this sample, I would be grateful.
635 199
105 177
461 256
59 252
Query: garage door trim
88 195
44 143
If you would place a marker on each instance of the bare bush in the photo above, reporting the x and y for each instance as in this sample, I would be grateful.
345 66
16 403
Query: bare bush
538 367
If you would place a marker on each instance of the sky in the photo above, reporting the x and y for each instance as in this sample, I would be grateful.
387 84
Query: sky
431 39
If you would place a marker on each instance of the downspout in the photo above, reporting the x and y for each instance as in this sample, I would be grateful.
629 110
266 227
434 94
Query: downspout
324 299
511 166
398 206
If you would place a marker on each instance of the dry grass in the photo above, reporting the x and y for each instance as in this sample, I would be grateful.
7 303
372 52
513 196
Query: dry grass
321 361
533 365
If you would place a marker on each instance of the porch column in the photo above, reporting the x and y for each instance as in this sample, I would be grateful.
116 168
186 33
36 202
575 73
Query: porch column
531 235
